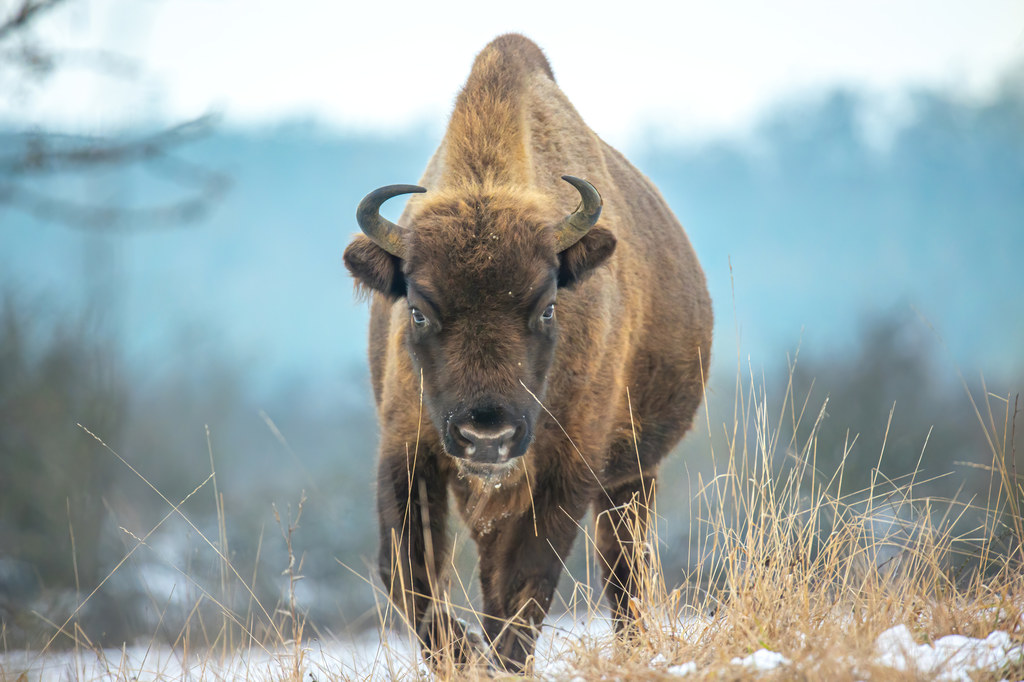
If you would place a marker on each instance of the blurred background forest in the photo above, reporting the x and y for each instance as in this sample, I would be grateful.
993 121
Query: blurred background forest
179 292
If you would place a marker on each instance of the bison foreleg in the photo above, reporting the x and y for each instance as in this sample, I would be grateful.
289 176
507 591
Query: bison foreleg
412 503
622 515
520 563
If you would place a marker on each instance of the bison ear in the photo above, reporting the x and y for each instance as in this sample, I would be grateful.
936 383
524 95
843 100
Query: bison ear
580 259
374 269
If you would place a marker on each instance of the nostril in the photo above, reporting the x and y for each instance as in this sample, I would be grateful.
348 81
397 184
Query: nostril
456 433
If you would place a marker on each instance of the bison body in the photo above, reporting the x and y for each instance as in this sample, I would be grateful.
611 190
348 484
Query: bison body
529 359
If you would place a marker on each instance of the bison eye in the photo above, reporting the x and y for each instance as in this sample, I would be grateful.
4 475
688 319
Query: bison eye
549 313
418 318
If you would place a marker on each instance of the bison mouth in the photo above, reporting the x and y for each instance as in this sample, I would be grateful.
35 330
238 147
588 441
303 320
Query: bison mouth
494 474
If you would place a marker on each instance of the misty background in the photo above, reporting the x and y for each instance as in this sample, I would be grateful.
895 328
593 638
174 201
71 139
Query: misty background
179 299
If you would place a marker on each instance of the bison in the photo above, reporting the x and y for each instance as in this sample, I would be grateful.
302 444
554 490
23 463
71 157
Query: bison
538 342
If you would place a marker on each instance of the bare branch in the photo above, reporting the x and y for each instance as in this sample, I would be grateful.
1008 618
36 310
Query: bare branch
110 217
41 61
29 11
43 152
32 163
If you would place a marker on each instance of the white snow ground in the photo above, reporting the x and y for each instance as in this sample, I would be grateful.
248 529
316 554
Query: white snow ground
952 658
361 657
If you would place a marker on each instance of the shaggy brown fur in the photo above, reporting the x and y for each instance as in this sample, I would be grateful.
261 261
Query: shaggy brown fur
463 322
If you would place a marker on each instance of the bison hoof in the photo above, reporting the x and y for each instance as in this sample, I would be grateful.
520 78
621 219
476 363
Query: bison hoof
454 646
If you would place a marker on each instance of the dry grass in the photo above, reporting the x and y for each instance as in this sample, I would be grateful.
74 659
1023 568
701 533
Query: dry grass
791 562
788 561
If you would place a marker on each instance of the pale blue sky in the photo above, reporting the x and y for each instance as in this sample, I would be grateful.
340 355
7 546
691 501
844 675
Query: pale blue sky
683 69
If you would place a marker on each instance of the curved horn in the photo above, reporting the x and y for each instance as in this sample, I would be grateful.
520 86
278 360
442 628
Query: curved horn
380 230
578 223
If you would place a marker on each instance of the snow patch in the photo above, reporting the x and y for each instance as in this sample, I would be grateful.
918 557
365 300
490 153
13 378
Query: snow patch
952 658
683 669
762 660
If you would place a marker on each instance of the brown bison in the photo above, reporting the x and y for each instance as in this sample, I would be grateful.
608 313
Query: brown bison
538 343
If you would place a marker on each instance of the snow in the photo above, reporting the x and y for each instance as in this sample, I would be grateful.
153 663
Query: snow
345 658
761 660
683 669
953 658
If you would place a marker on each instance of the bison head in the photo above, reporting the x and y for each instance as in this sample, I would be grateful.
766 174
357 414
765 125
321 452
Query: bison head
479 269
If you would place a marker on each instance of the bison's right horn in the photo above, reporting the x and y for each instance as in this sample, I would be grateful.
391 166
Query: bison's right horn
578 223
380 230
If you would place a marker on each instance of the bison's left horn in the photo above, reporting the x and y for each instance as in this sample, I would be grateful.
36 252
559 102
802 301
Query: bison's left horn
380 230
578 223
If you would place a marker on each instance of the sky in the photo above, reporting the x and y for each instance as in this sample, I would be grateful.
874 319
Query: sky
679 70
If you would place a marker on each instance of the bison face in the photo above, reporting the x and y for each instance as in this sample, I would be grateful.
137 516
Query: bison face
479 273
482 350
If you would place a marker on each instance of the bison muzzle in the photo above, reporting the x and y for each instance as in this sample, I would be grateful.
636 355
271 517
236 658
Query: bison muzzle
538 343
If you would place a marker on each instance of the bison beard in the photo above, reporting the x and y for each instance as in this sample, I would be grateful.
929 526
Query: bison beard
534 353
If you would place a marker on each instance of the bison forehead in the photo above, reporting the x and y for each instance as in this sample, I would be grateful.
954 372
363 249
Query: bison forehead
494 244
483 292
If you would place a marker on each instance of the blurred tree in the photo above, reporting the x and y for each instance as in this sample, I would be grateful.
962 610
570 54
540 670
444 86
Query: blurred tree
34 161
889 408
59 369
53 478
